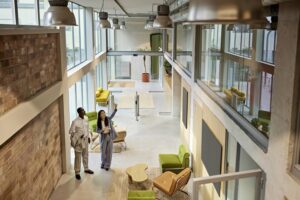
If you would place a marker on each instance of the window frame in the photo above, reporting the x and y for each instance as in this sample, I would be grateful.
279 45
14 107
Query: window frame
296 155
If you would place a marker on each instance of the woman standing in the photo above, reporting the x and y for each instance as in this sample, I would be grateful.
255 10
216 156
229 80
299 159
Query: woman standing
108 134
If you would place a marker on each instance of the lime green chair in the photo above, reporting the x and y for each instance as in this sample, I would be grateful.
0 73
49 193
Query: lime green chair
141 195
173 162
92 118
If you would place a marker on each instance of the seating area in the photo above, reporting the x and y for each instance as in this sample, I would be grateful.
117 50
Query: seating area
102 96
175 162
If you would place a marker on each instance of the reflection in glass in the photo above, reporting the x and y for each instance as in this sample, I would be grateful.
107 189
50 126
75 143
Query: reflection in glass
239 80
184 46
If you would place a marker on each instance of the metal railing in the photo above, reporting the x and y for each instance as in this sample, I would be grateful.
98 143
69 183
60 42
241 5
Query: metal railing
228 177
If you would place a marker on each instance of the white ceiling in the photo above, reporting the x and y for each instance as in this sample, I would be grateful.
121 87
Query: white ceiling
131 6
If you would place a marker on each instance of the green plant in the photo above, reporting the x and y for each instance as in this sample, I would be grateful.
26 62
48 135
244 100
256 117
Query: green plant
255 122
168 67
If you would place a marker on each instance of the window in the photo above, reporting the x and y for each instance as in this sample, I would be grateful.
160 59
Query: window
76 38
235 76
269 44
99 34
184 46
99 75
44 5
240 40
27 12
7 15
81 94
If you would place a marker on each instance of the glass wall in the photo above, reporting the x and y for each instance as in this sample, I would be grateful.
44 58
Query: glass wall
184 42
230 69
81 94
76 37
268 45
7 15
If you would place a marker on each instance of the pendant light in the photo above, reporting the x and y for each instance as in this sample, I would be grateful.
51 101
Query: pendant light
103 16
149 22
58 14
163 20
226 12
123 26
115 25
104 23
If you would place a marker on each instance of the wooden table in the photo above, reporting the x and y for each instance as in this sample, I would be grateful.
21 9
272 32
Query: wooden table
137 173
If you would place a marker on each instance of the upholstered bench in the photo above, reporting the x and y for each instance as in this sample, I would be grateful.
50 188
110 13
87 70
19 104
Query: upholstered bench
141 195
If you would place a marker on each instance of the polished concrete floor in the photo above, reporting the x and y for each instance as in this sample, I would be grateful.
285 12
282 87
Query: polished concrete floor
155 132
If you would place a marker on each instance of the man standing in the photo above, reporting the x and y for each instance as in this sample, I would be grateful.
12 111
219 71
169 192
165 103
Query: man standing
79 141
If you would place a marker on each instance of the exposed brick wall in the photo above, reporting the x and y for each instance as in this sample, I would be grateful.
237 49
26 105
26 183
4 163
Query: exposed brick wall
28 64
31 163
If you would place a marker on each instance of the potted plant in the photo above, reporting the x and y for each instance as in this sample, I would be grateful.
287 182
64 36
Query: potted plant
145 75
168 67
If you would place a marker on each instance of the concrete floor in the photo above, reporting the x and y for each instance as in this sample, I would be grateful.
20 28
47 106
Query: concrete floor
154 133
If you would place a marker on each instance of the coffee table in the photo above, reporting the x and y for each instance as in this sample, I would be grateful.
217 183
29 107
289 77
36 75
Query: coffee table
137 173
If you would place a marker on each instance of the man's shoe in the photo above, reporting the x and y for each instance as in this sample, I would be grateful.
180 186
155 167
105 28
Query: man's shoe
102 167
106 169
78 176
88 171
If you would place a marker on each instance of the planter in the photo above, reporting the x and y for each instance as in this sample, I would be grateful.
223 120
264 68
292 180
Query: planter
145 77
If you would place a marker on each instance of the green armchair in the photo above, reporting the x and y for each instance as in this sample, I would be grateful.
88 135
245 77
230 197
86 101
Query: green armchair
141 195
173 162
92 118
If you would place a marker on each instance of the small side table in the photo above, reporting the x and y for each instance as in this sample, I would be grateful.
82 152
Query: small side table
137 173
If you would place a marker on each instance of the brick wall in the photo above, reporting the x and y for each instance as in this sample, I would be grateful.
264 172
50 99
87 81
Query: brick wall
28 64
30 162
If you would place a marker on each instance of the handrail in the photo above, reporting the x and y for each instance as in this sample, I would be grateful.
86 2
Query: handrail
227 177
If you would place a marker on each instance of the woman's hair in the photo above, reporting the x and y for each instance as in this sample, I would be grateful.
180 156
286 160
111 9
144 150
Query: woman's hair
99 124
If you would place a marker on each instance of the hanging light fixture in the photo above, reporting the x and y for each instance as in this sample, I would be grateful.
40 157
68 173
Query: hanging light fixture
104 23
163 20
115 25
123 26
103 16
58 14
149 22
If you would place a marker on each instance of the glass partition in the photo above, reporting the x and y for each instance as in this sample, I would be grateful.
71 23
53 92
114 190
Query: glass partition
234 75
184 46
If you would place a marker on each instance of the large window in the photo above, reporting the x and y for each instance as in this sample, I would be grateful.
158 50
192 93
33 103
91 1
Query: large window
76 37
99 74
27 12
232 72
99 34
7 15
184 40
269 46
81 94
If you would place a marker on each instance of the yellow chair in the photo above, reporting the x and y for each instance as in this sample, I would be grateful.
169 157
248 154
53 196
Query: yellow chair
102 96
169 182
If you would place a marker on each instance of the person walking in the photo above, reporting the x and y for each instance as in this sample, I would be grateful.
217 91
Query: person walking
80 139
107 135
